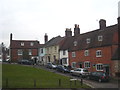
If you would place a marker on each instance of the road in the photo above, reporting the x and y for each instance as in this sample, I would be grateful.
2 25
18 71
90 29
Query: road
91 83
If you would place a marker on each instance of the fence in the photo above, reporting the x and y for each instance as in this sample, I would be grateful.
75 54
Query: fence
60 83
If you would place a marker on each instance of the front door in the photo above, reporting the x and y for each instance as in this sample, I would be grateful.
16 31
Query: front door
80 65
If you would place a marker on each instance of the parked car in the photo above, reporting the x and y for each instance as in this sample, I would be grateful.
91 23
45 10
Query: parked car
51 65
99 76
63 69
81 72
24 61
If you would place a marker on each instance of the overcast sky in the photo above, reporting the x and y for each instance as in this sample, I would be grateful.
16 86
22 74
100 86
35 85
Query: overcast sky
31 19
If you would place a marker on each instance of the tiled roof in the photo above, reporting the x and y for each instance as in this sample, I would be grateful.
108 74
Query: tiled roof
107 35
17 44
54 41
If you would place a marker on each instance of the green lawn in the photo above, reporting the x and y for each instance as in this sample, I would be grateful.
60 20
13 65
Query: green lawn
17 76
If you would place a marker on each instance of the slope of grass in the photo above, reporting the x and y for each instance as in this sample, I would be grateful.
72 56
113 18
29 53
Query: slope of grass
17 76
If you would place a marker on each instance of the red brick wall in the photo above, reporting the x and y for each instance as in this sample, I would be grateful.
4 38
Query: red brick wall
15 57
105 59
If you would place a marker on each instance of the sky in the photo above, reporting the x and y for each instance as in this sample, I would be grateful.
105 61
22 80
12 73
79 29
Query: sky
31 19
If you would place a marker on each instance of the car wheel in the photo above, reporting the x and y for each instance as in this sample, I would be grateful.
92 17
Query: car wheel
99 80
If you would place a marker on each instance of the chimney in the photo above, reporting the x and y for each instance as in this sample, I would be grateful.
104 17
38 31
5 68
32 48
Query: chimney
102 24
46 37
11 37
68 32
76 30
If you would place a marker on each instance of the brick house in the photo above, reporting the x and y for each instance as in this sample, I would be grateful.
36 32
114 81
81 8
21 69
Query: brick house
23 49
96 50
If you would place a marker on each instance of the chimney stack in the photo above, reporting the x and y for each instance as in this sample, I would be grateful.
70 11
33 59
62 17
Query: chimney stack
102 24
11 37
76 30
46 37
68 32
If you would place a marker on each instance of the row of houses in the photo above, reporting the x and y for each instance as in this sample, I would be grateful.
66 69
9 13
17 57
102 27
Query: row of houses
97 50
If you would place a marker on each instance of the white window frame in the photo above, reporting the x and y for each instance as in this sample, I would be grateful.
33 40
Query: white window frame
99 53
20 52
73 54
75 43
64 61
30 52
22 44
64 52
87 64
41 50
86 53
32 44
100 38
88 40
99 67
73 64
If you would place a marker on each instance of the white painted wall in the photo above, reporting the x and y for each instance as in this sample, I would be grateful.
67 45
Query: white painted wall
64 56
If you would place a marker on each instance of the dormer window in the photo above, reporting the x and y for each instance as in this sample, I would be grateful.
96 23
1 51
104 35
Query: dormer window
100 38
31 44
22 43
88 40
75 43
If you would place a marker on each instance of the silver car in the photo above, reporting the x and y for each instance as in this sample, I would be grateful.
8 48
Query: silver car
81 72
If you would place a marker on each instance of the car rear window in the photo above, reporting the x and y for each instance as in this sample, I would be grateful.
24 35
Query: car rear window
85 70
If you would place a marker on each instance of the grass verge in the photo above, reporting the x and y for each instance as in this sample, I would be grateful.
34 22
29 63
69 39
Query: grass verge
17 76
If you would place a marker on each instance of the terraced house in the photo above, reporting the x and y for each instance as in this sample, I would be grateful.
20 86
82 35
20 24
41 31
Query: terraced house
52 49
96 50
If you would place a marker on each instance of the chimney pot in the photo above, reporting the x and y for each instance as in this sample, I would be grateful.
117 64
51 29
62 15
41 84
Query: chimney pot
46 37
102 24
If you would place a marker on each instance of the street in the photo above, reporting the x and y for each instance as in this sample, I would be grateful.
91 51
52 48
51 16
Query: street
91 83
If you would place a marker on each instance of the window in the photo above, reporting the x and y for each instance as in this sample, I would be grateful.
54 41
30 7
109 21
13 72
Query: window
64 53
22 43
100 38
31 44
30 52
55 49
86 52
73 54
20 52
98 53
41 50
75 43
99 67
73 64
64 61
87 64
88 40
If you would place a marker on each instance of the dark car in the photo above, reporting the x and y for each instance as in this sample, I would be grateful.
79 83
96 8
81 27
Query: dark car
51 65
63 69
99 76
26 62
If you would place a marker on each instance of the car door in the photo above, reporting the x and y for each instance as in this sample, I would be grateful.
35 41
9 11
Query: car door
93 75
